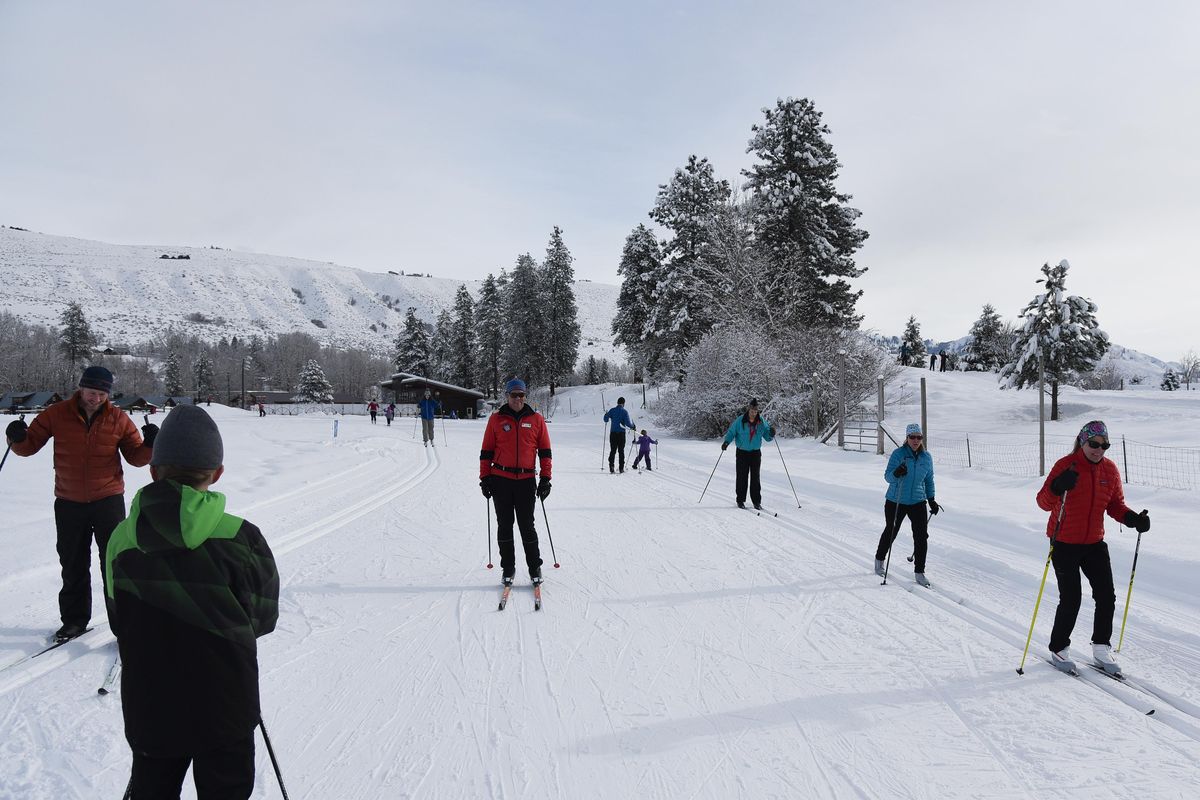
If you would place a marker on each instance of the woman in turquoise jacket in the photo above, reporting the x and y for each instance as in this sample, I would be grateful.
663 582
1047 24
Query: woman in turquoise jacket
909 475
749 431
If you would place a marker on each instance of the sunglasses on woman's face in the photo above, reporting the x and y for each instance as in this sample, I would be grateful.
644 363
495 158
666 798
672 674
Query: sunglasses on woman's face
915 436
518 395
1098 445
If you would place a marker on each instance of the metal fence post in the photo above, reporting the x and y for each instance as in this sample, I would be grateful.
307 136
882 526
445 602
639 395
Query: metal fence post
968 452
1125 457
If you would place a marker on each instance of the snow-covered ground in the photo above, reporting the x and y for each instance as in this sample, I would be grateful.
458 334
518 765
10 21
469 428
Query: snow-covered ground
686 650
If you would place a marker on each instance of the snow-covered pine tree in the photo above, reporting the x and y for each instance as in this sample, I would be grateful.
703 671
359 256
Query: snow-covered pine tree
524 326
560 314
489 328
441 347
804 225
173 375
602 373
678 314
75 339
462 339
989 346
592 375
313 386
412 346
1063 329
641 261
202 372
1170 380
912 344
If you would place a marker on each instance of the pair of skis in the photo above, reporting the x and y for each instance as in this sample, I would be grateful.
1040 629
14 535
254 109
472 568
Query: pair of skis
1118 677
758 512
537 597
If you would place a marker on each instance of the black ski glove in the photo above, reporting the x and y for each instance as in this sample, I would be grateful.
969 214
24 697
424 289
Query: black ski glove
543 488
724 446
149 434
16 431
1064 482
1140 522
900 471
485 486
934 507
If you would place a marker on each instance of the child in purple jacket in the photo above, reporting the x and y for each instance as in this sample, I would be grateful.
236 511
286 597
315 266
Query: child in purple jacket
643 443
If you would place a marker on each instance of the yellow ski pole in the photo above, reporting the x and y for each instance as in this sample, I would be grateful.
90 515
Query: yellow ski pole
1057 527
1129 594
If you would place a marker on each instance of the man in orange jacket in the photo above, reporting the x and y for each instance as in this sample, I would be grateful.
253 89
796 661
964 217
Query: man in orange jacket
515 438
90 435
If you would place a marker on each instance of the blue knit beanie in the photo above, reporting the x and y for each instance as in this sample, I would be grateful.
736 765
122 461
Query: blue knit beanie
515 385
913 428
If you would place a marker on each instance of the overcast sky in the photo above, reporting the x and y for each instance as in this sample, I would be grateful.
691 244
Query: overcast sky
979 140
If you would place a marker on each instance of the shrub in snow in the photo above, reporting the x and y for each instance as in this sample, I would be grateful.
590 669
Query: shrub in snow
1170 380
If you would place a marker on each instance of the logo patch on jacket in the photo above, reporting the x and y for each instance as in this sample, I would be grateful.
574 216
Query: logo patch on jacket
526 424
506 427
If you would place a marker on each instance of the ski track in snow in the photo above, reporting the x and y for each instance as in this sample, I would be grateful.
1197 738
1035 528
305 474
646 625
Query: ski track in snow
684 650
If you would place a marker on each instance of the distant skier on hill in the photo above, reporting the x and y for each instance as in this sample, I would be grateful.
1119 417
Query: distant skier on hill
643 443
909 475
1080 546
618 419
749 431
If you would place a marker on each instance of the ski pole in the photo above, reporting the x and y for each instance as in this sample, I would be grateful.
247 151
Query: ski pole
128 789
710 475
1129 594
9 448
274 762
444 440
602 447
1045 572
415 418
941 508
548 536
785 472
489 531
899 520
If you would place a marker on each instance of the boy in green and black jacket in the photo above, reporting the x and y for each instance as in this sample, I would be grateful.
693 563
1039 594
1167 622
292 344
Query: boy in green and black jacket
193 588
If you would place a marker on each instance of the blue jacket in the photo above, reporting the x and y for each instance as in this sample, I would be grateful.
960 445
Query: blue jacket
618 417
746 438
917 485
428 407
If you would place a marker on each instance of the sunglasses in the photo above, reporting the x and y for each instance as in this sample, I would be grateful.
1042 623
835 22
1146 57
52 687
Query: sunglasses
520 395
916 436
1098 445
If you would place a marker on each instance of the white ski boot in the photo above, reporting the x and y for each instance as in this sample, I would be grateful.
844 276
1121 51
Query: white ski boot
920 578
879 567
1062 661
1103 655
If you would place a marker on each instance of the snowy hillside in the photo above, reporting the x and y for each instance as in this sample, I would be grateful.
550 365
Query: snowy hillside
686 650
130 293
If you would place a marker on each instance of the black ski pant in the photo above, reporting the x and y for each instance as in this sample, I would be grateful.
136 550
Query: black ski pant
223 774
893 518
1091 559
748 464
640 456
373 420
616 447
515 498
77 524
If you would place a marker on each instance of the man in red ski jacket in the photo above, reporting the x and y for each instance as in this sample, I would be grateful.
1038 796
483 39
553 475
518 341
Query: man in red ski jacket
513 442
1088 486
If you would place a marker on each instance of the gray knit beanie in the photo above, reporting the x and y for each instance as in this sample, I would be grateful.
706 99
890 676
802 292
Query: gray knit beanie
189 438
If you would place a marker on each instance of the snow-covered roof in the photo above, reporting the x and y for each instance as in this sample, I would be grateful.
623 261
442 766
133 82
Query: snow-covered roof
406 378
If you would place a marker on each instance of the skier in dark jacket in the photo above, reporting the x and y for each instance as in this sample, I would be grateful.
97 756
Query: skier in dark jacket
193 588
618 419
909 475
515 440
643 443
428 408
747 432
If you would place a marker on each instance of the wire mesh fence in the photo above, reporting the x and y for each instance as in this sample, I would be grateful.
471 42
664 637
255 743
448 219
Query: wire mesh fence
1140 463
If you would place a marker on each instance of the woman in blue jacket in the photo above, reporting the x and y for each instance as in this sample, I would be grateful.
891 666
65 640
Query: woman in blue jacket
909 475
749 431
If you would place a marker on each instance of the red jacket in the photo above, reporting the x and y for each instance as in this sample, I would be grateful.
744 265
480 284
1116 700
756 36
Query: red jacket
513 442
1096 493
87 458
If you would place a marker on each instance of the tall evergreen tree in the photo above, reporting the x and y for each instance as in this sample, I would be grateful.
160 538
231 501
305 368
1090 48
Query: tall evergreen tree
592 376
913 344
641 262
523 355
441 347
314 387
412 346
560 315
489 326
202 371
804 226
989 346
1063 330
462 344
1170 380
678 315
173 375
75 339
